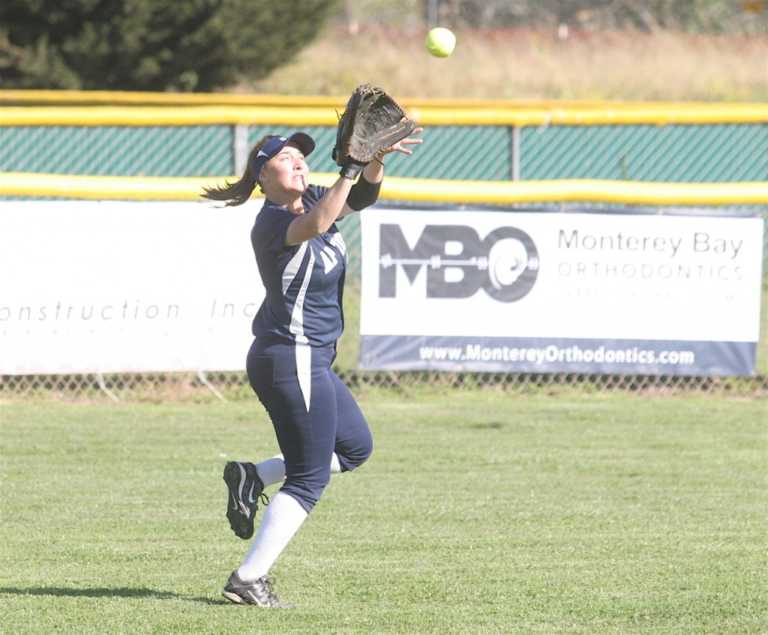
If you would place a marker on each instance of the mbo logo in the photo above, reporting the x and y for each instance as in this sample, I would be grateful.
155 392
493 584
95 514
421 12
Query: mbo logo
458 263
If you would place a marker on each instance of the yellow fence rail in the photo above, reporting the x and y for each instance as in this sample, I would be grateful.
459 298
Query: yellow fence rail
137 98
222 115
395 188
102 108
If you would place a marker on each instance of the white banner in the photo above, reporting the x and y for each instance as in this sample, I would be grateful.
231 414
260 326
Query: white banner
117 286
500 291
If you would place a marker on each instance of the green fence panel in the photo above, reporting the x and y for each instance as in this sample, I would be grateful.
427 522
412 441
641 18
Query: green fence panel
701 153
448 152
117 150
683 153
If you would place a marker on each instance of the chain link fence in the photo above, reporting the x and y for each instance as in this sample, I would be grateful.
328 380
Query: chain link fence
669 153
160 387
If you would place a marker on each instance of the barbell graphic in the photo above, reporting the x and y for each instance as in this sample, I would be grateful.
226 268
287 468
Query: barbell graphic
507 260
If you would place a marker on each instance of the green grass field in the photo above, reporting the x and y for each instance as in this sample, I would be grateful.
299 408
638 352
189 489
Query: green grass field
479 512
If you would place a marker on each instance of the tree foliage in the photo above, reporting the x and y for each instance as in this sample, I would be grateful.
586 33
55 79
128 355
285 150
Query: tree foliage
149 44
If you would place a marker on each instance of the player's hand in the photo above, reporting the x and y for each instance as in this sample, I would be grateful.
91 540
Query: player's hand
401 146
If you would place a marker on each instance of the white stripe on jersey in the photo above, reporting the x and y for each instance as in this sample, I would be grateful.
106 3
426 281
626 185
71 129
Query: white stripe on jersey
303 350
292 268
329 258
297 315
337 240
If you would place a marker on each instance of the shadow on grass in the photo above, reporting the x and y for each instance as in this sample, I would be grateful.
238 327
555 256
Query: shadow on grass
107 592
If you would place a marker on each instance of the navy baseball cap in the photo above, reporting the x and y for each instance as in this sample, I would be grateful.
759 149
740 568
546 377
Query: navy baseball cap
275 143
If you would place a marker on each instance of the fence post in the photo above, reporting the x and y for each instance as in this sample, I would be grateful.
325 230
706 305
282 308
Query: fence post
240 148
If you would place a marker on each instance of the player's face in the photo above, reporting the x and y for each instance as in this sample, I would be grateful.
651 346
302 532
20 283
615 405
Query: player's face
285 173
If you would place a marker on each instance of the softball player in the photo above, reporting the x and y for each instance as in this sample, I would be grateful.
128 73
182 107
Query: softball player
320 429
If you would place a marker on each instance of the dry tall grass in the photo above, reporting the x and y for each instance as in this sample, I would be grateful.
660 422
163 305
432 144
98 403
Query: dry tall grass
525 64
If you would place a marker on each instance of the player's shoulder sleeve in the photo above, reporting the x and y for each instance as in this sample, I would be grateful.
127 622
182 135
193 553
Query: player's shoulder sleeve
313 194
270 229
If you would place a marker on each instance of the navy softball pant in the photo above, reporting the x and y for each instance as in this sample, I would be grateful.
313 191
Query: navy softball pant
313 413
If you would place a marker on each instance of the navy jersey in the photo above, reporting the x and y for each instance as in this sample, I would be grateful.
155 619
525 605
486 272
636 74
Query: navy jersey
304 283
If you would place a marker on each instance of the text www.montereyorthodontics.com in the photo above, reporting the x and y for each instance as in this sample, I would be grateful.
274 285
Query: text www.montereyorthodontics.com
553 353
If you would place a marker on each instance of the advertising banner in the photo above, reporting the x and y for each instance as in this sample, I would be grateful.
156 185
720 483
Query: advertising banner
119 287
560 292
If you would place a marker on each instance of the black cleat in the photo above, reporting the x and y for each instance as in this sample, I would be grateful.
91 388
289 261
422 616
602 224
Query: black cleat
245 490
257 592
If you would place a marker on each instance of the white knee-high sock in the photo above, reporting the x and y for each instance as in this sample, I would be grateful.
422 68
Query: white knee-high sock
272 470
281 521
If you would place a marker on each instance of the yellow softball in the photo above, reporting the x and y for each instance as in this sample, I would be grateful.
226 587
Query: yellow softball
440 41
